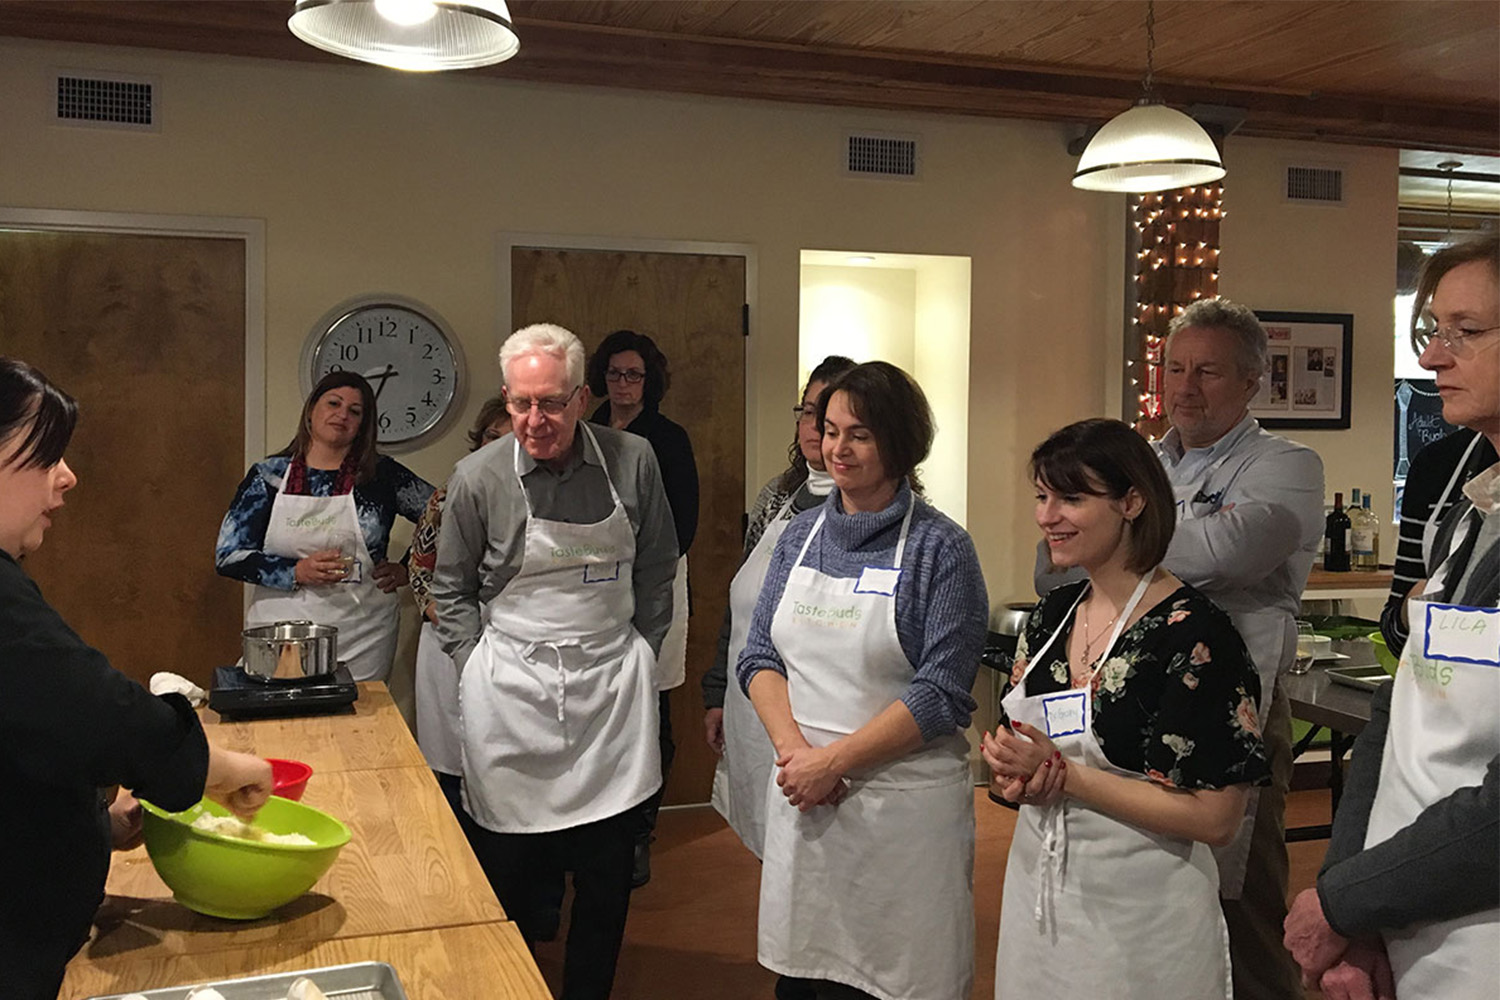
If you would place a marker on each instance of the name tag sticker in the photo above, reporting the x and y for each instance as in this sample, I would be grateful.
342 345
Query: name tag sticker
1463 635
601 572
874 580
1065 713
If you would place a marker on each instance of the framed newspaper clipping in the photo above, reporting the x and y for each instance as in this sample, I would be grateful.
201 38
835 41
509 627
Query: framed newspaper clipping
1309 370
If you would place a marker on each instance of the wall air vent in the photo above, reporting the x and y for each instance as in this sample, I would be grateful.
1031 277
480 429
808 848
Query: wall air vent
110 100
872 154
1320 185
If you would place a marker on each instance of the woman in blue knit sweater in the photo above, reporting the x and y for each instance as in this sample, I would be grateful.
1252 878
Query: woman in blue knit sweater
860 658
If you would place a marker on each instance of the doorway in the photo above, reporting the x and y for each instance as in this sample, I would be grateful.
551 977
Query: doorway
693 306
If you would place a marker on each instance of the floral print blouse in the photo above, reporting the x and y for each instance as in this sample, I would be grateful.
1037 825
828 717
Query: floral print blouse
1175 700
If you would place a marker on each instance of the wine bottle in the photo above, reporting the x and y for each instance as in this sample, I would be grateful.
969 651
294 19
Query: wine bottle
1336 529
1365 537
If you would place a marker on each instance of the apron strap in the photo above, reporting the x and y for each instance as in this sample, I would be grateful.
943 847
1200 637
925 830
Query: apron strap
1429 530
614 494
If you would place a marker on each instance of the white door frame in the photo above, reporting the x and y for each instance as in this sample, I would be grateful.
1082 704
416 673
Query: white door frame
508 241
251 231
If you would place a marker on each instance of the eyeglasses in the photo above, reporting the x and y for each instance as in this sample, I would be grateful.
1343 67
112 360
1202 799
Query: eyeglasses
1460 342
807 411
549 405
630 375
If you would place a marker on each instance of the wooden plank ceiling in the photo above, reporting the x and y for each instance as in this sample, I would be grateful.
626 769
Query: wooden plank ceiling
1406 73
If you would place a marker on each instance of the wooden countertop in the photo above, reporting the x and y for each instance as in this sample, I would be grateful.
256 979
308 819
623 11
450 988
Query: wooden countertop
473 962
406 889
1322 579
372 736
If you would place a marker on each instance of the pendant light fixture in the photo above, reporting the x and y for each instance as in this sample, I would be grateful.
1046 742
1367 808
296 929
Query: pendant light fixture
418 35
1151 147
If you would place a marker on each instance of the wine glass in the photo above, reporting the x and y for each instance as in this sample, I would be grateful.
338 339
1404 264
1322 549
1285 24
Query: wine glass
1305 648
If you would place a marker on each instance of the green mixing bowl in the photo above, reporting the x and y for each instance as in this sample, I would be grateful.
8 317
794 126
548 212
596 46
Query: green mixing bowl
240 879
1383 653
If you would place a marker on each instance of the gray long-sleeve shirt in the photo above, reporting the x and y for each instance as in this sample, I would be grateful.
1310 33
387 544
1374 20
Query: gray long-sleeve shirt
483 536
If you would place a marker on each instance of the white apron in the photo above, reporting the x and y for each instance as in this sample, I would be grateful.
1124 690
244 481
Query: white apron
1267 635
671 663
1442 735
1430 528
1094 907
739 791
558 702
436 694
876 892
367 619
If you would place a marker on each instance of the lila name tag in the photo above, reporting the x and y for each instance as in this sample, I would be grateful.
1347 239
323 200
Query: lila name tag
1462 635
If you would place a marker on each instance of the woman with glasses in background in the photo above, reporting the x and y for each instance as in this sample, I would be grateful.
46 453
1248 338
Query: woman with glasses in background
631 375
1408 899
731 726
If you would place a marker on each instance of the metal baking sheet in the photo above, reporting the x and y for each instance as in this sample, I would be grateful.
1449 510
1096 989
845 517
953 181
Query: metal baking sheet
360 981
1366 678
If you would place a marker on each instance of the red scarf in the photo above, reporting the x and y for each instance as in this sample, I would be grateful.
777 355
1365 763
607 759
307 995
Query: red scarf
296 476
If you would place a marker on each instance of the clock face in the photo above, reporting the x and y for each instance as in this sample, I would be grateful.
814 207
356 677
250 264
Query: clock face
407 358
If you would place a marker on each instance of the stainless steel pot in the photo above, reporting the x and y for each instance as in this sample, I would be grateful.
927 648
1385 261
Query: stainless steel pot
289 651
1010 619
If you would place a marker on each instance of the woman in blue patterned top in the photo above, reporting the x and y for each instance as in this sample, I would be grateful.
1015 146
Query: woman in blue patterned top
862 650
309 527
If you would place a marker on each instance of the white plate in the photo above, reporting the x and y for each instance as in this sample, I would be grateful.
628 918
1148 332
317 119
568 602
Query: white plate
1330 657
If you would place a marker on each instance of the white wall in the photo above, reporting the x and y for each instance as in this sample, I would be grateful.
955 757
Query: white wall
371 180
1312 258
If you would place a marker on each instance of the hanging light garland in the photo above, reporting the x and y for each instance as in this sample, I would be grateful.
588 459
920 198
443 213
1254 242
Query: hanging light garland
1176 263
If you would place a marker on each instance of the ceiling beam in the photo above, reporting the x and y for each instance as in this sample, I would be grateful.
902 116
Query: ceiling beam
569 53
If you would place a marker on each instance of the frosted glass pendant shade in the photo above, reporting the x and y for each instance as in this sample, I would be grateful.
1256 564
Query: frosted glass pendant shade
421 35
1151 147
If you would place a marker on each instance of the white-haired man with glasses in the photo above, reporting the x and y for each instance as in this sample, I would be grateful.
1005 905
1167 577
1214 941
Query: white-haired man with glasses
553 587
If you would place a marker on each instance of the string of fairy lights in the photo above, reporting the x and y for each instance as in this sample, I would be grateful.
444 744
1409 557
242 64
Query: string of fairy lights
1177 262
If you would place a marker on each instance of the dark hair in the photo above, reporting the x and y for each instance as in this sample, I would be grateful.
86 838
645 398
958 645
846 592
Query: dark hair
492 409
658 374
1484 248
1107 458
891 404
795 475
46 414
363 447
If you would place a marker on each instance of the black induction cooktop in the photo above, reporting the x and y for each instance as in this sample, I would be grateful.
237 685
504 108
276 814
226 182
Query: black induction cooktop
236 696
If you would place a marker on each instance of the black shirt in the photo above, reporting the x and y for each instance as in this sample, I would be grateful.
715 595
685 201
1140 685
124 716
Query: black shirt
679 472
70 724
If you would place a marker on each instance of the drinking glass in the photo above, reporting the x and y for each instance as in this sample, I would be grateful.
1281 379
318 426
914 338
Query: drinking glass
348 547
1304 660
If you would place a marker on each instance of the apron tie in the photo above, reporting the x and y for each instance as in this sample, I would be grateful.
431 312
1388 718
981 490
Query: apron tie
1053 858
561 695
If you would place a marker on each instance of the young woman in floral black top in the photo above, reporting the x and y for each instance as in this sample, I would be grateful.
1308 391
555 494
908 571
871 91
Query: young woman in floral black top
1129 740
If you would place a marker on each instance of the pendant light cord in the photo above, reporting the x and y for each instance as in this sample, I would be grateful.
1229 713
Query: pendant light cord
1150 45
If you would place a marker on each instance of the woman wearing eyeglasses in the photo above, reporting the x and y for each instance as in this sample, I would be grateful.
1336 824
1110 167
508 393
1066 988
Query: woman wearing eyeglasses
310 524
1408 899
730 723
631 374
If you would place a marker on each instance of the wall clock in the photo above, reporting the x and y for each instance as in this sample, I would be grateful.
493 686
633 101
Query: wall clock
407 352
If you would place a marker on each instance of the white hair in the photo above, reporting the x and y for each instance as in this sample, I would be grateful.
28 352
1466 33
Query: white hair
543 338
1239 322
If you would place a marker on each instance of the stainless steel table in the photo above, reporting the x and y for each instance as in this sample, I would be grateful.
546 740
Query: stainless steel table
1340 709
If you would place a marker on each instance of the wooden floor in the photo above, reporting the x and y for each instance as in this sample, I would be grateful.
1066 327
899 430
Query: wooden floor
692 929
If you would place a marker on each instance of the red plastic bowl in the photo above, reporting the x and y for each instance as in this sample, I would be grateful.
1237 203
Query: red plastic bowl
288 777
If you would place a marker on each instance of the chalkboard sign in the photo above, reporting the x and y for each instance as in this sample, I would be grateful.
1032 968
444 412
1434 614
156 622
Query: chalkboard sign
1419 420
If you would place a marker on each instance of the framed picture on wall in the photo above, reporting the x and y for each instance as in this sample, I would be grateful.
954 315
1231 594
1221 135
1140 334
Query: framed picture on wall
1309 370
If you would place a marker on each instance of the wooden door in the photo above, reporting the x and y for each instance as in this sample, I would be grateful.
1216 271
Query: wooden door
693 307
147 333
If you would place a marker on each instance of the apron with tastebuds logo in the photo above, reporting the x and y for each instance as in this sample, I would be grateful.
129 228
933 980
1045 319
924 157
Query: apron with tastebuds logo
558 702
1443 732
1093 906
366 617
739 791
876 892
